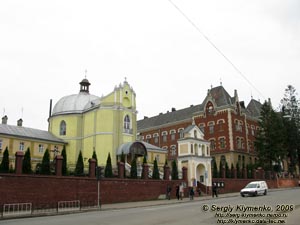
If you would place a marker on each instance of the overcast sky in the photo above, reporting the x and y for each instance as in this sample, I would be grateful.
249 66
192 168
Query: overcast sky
46 46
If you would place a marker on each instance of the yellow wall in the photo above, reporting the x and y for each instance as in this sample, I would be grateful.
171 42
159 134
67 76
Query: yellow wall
100 128
13 143
184 149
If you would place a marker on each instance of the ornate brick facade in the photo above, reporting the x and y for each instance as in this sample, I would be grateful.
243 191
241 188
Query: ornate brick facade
225 121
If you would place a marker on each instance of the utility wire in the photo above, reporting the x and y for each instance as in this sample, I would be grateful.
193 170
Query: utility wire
215 47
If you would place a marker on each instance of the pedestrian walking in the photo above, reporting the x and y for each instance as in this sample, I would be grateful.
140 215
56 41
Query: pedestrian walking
192 193
181 191
214 190
169 192
177 192
199 191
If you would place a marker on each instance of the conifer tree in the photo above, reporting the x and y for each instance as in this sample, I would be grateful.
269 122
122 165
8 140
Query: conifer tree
144 163
290 111
220 168
94 156
155 174
26 167
45 166
269 141
215 169
64 162
123 157
4 167
227 171
238 170
232 170
144 160
174 173
108 168
133 170
79 170
123 161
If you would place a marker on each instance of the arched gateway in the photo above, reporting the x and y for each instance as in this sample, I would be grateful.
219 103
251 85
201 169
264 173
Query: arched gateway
194 154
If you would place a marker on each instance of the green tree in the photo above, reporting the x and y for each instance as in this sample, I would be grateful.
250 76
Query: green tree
220 168
227 171
4 167
232 171
155 174
290 115
64 161
238 170
123 157
94 156
269 140
214 168
108 168
133 170
79 169
144 163
145 160
45 166
123 161
26 167
174 173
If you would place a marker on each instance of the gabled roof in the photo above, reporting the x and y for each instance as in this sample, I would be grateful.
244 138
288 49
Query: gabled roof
28 133
169 117
220 96
254 108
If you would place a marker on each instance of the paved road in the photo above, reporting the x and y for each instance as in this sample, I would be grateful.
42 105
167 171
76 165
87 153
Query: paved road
187 212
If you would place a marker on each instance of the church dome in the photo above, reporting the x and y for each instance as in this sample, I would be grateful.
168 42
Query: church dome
76 103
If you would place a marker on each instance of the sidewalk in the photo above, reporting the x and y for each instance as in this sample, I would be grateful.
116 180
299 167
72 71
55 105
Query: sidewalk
125 205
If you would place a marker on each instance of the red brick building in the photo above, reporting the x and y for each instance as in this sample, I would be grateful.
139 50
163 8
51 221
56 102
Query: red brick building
227 123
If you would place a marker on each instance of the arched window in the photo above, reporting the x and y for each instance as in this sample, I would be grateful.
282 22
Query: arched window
126 122
63 128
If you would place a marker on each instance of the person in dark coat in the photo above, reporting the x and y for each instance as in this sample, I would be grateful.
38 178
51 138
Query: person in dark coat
177 192
169 192
192 193
214 190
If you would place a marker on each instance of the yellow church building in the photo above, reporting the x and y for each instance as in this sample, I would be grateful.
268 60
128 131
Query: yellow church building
102 124
87 123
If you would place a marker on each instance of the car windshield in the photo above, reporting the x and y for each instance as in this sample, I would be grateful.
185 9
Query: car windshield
251 185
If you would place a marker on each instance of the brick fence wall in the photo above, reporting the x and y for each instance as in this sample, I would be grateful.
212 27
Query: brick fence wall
235 185
41 190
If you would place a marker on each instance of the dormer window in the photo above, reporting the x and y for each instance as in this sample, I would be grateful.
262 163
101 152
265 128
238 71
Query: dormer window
209 108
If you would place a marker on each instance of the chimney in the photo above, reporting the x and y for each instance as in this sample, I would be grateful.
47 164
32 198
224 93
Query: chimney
4 119
173 109
145 117
20 122
50 108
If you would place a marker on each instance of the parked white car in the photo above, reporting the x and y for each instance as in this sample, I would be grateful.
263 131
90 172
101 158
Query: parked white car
255 188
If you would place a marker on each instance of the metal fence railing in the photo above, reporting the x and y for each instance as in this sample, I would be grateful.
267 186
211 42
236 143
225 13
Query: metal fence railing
63 206
28 209
17 209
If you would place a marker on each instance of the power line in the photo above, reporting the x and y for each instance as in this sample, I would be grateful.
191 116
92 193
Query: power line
215 47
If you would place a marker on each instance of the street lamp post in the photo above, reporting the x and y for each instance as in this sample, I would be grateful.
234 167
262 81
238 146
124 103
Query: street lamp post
98 175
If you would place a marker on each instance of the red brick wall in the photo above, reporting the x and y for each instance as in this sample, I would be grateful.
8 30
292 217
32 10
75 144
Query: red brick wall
235 185
41 190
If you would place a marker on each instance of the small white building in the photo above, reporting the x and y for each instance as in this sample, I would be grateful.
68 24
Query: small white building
194 154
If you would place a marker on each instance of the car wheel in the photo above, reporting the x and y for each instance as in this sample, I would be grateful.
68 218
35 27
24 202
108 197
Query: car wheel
255 193
242 195
265 193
